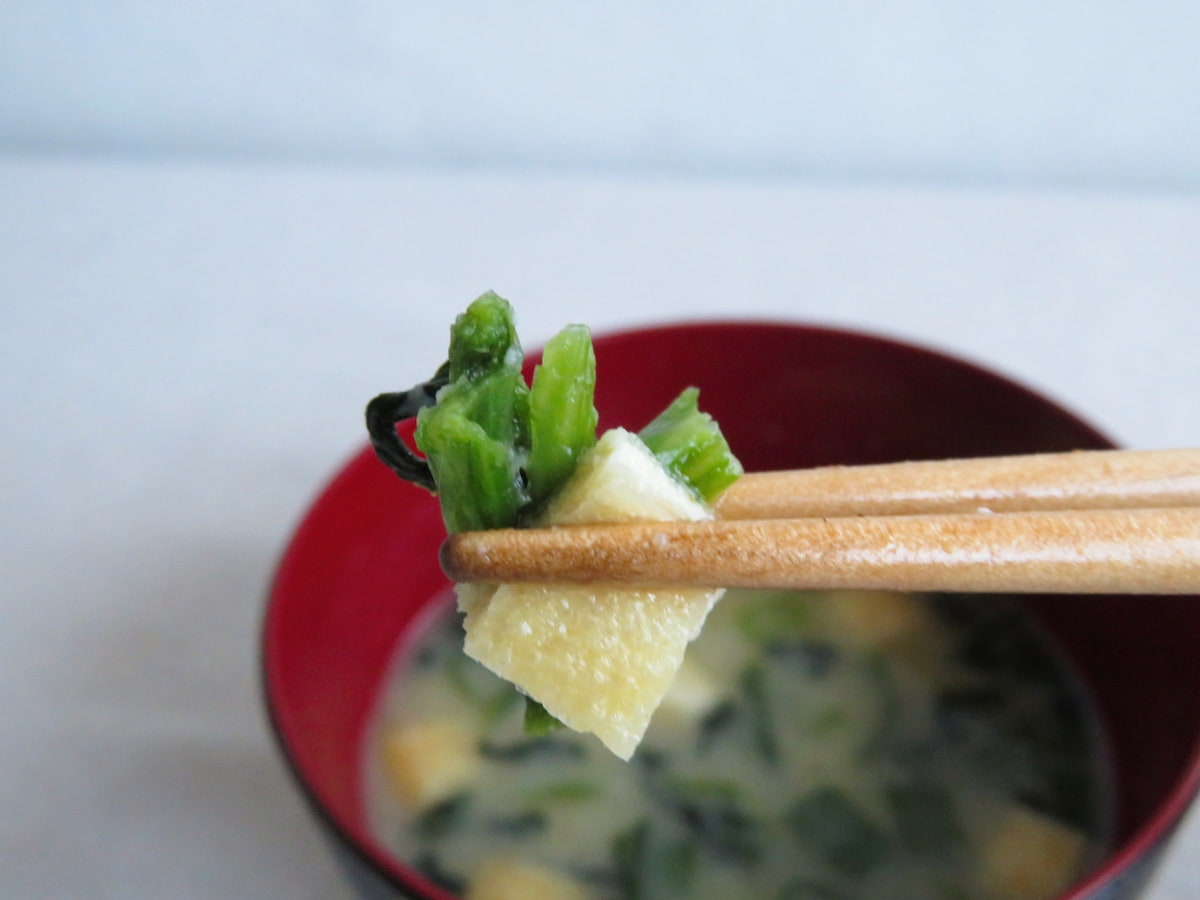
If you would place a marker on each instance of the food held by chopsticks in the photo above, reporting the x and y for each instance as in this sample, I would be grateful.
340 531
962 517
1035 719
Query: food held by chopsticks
1107 521
586 566
499 454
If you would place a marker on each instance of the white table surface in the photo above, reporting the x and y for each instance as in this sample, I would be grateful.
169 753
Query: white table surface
185 351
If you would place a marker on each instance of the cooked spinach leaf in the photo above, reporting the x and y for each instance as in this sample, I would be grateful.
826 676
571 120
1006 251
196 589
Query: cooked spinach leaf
834 828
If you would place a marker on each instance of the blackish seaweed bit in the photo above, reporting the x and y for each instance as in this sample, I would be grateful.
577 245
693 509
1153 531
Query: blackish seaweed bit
387 411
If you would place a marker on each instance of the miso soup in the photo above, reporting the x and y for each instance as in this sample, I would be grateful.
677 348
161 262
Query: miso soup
815 746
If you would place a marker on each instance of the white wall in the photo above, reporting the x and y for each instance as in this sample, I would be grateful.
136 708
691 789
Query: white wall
1064 92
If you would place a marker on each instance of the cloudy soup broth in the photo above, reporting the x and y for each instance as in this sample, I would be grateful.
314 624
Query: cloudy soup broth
814 746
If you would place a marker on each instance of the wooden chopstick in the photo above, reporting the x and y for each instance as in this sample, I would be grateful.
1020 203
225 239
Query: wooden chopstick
1105 521
1083 479
1154 551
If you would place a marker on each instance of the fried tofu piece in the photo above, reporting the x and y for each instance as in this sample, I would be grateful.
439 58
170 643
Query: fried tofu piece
506 879
428 761
1031 856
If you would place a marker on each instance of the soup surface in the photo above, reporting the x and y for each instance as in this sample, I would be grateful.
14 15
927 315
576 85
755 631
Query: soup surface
816 746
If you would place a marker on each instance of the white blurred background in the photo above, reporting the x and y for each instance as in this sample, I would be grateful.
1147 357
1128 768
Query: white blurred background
1031 92
225 225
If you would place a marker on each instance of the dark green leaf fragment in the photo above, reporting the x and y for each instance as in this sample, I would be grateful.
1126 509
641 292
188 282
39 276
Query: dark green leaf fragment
715 723
808 889
523 824
628 854
1072 792
499 704
651 760
1001 641
564 792
824 721
811 657
887 698
771 617
603 878
753 685
544 748
387 411
429 865
443 818
538 720
472 681
830 825
925 818
651 865
713 813
491 695
949 891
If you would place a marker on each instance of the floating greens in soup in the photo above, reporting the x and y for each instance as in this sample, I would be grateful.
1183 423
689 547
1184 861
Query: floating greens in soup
831 746
817 746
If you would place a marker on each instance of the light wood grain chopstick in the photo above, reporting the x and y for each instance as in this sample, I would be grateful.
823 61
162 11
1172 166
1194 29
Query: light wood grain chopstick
1155 551
1115 521
1084 479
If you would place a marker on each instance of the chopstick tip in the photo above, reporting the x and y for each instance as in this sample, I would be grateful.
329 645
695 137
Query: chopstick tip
450 559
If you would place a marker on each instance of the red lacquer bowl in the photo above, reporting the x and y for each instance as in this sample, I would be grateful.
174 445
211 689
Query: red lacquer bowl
362 566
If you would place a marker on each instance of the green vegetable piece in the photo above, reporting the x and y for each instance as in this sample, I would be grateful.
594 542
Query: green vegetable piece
524 824
497 706
469 440
562 420
925 818
538 721
492 696
887 695
758 708
429 865
476 436
814 658
546 747
808 889
484 340
953 892
443 818
829 824
494 447
474 682
563 792
715 723
705 788
690 445
562 426
825 721
712 811
773 617
1072 792
650 865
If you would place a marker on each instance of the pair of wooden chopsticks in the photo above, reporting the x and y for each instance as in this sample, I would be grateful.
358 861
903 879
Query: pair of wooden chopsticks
1097 521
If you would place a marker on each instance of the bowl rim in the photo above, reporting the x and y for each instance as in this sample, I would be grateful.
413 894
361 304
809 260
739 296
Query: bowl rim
1142 844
